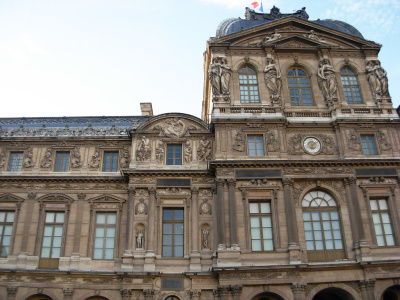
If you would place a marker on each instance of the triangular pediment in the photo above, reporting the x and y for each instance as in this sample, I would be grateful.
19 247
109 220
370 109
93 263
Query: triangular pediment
293 32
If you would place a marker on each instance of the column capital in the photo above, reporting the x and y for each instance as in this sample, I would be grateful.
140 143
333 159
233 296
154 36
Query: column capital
298 287
12 290
131 190
224 289
286 182
194 190
350 181
152 190
236 289
231 182
125 293
366 284
148 294
219 182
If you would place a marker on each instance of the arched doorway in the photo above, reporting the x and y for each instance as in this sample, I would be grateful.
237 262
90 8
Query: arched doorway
333 294
96 298
267 296
172 298
39 297
391 293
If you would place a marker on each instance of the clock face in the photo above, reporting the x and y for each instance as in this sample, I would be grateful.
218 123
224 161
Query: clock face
312 145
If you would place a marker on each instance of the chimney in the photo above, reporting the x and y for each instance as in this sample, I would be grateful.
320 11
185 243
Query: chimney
146 108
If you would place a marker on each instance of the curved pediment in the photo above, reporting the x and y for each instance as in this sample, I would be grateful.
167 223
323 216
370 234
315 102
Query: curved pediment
174 125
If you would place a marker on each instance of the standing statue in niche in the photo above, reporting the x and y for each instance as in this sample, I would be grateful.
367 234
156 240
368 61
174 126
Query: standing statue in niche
273 80
219 74
160 151
377 78
205 239
327 80
143 149
204 151
139 240
188 152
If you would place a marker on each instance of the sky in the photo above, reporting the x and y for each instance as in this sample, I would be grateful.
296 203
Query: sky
105 57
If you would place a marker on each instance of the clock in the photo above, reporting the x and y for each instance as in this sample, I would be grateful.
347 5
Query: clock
312 145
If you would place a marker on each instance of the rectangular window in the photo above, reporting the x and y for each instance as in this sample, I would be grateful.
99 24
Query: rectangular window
382 222
110 162
6 225
104 239
261 226
256 145
368 145
62 162
174 154
172 232
15 163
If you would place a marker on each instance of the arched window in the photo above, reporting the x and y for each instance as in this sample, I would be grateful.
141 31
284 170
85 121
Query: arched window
248 85
299 88
350 86
172 298
322 227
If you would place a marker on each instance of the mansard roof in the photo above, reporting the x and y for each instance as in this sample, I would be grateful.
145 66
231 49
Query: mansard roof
253 19
70 126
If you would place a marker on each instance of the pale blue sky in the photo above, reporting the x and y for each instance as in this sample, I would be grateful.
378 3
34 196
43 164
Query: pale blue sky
104 57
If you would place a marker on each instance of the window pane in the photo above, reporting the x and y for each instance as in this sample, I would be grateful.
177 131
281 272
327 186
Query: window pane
268 245
265 207
111 218
253 208
256 245
101 219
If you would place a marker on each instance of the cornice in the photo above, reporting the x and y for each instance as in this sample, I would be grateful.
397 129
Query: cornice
164 172
64 179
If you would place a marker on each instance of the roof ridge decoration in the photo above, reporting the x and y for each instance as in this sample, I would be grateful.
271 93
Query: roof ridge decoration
274 14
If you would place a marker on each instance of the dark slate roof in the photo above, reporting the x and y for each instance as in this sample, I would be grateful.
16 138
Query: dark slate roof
69 126
253 19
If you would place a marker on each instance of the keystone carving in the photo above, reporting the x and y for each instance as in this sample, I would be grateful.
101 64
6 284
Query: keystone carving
68 292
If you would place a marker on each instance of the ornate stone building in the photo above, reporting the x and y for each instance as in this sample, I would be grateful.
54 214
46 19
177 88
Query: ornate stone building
286 190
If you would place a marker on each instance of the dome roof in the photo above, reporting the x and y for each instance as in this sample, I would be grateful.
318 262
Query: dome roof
253 19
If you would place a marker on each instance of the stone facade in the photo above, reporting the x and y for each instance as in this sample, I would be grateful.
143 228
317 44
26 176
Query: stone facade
286 192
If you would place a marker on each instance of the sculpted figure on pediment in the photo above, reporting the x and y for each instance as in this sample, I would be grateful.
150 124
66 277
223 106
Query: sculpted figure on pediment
272 76
316 37
143 150
204 152
327 81
47 160
174 127
377 78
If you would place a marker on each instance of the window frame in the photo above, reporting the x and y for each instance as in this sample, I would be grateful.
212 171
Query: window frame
255 135
260 215
248 85
104 237
11 235
374 140
174 158
350 86
379 211
15 167
299 88
323 254
110 166
62 166
173 235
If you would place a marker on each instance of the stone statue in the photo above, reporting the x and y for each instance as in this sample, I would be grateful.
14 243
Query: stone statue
204 151
377 78
28 163
160 151
75 158
238 143
315 37
188 152
95 161
327 80
139 240
219 74
273 37
143 149
47 159
124 163
205 238
272 77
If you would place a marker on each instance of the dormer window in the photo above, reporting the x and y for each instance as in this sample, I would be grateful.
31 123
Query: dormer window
248 85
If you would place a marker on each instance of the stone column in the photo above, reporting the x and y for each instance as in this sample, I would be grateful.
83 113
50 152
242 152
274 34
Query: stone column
232 214
236 292
151 223
220 214
367 289
195 220
354 211
129 220
299 290
290 212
